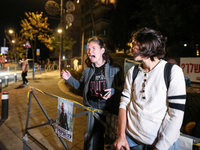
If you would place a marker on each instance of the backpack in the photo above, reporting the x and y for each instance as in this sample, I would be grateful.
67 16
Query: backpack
167 73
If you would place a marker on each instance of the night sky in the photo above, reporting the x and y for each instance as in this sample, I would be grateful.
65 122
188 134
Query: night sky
13 11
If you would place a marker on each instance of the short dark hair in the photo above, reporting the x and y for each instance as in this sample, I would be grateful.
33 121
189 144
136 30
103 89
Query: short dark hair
101 43
152 43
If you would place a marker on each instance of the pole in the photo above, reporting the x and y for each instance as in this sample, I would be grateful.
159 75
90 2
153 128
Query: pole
61 37
82 48
82 51
4 113
6 81
15 77
26 52
4 42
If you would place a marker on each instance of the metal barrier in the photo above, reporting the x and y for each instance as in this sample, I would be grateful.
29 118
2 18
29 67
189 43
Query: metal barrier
89 111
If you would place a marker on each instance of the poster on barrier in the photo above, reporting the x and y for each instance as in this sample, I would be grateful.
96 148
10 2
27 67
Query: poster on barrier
64 119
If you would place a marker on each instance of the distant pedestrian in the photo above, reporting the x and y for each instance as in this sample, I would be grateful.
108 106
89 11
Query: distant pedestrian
75 64
24 71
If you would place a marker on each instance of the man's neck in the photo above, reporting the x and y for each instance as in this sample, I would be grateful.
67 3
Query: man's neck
149 65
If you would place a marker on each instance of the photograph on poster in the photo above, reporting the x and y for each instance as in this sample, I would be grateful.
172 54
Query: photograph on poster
64 119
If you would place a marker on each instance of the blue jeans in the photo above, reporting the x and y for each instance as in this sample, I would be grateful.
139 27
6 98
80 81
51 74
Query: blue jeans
131 143
98 129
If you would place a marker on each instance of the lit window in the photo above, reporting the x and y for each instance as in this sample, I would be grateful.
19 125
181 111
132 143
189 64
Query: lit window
197 52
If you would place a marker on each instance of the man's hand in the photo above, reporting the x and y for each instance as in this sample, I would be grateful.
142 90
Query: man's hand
121 143
65 74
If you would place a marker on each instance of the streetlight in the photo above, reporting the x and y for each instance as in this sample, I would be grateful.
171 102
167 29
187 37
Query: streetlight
13 40
60 56
59 30
10 31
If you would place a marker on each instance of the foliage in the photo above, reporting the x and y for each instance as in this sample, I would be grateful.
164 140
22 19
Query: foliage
191 108
121 25
16 48
55 42
34 28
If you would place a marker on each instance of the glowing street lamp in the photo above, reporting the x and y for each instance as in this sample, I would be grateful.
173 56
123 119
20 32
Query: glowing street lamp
59 30
61 50
13 40
10 31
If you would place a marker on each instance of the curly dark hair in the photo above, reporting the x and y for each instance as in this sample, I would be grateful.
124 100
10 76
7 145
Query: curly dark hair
101 43
152 43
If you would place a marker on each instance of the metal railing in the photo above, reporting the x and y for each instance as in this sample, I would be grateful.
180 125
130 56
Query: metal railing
89 111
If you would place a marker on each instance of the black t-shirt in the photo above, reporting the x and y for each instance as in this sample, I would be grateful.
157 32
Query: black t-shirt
97 84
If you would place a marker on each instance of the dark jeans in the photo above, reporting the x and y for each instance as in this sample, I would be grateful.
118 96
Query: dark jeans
24 74
98 129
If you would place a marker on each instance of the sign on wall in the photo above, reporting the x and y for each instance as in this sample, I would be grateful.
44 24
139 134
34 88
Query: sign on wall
191 68
4 50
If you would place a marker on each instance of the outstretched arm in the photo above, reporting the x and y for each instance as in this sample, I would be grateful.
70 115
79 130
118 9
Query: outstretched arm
65 74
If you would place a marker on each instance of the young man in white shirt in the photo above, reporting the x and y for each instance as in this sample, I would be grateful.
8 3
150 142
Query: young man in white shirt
24 71
149 112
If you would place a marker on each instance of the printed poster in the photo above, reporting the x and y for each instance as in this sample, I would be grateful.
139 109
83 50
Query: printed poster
191 68
64 119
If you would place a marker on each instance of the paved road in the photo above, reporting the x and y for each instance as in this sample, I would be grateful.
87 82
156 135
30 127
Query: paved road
13 73
12 130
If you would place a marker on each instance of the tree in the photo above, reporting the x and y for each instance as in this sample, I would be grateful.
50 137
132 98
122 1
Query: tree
178 20
121 25
15 45
34 28
54 43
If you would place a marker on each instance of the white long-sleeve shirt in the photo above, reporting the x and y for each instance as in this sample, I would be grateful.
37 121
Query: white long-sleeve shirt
152 111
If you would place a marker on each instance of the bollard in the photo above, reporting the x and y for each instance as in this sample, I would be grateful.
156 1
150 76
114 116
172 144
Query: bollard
4 112
34 71
15 77
6 81
8 69
40 69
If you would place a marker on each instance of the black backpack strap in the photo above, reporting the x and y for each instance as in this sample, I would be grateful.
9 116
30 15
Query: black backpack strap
135 72
167 73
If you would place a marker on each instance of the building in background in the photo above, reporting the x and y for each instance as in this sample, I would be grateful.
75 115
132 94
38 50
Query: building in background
95 17
91 17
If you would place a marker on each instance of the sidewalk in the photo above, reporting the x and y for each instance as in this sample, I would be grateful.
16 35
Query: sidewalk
12 129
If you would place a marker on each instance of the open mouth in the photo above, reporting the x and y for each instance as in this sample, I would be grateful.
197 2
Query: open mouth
91 56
